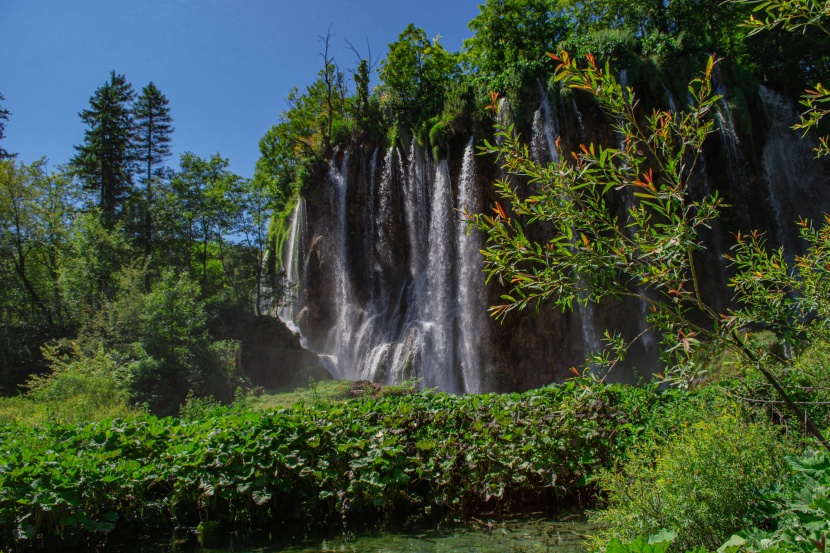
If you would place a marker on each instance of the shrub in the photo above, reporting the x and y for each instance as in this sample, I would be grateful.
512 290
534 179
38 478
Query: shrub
702 484
80 387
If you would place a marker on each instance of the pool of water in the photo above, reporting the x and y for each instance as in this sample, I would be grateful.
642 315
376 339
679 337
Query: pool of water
525 535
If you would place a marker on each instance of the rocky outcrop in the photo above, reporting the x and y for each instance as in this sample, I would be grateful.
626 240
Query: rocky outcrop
270 355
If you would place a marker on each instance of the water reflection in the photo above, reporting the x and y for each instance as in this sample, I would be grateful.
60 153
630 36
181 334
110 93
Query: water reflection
479 536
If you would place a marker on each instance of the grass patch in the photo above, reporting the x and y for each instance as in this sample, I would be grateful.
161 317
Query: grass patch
323 393
25 411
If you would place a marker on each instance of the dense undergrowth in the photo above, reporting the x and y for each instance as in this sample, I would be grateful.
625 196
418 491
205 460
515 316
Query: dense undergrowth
793 517
413 455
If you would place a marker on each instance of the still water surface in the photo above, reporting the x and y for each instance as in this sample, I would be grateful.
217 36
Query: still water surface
525 535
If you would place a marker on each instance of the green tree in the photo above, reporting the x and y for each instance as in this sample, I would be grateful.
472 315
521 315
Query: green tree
104 161
35 213
152 142
158 340
315 114
510 40
278 165
172 330
207 192
414 78
96 255
252 225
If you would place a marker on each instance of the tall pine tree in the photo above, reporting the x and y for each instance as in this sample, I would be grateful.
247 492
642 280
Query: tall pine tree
152 146
4 116
104 161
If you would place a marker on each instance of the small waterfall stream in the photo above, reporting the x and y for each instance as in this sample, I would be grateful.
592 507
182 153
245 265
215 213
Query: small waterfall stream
545 132
438 307
473 323
731 148
792 181
296 243
340 335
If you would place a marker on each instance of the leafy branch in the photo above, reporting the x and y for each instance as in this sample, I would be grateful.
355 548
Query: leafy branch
621 222
795 15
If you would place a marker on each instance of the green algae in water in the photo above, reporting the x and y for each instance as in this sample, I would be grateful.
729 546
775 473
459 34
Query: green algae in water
480 536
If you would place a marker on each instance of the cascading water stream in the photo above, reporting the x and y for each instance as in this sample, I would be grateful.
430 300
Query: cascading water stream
537 146
731 148
384 241
369 229
415 207
439 305
670 99
545 132
790 173
473 321
291 259
341 333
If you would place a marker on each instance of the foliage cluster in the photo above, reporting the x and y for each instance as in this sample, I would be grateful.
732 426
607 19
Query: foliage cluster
793 517
704 483
412 455
132 276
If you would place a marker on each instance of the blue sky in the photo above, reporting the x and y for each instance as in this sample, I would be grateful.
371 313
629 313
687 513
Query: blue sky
226 66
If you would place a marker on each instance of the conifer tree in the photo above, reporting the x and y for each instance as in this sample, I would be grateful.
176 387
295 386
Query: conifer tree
152 146
4 116
104 161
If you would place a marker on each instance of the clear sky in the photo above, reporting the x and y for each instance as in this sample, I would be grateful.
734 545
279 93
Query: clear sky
225 65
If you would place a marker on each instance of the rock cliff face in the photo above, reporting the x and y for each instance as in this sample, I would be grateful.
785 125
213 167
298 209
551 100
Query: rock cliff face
269 353
389 283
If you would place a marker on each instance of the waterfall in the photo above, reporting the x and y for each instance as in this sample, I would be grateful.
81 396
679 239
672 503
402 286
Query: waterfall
473 321
415 207
588 327
339 179
545 131
424 318
538 146
670 99
733 157
789 171
578 119
380 255
293 249
369 229
439 293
